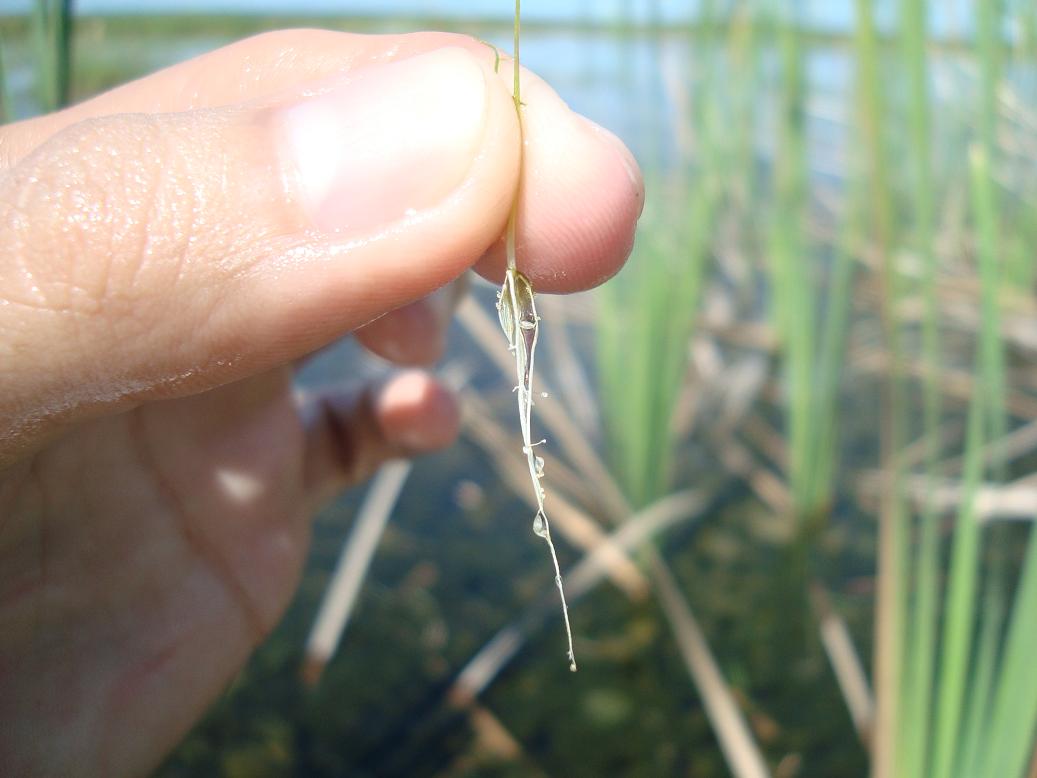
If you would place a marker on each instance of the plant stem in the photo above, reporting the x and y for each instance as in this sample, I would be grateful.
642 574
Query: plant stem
521 324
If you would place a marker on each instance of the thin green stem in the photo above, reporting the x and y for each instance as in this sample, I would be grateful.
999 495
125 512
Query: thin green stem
920 652
516 96
6 112
515 89
1013 726
892 562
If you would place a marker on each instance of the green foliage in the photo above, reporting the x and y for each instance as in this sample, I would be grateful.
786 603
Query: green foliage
51 30
919 655
792 272
981 722
645 321
6 109
957 717
945 620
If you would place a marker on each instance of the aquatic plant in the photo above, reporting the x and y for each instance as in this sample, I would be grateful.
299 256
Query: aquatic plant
521 324
51 31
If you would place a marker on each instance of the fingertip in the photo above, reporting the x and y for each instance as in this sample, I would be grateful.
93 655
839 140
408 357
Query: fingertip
582 194
349 434
409 336
418 413
415 334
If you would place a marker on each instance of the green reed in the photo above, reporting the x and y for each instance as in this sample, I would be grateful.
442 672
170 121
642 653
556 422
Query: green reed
947 618
790 266
6 106
919 652
961 713
51 36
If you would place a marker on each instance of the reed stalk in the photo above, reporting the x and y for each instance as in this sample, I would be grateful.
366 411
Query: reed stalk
889 616
51 32
6 108
920 650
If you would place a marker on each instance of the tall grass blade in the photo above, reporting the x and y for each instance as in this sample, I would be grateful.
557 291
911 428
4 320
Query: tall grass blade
920 652
647 320
892 562
832 355
6 108
989 26
792 283
975 737
51 33
1013 726
40 33
991 368
62 12
647 317
959 610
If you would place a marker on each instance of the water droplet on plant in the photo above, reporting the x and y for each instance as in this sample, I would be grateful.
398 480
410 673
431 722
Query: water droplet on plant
539 526
539 463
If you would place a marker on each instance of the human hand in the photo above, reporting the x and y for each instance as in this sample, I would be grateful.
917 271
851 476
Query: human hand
168 250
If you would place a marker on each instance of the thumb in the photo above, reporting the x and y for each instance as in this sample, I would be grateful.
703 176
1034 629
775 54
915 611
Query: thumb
146 256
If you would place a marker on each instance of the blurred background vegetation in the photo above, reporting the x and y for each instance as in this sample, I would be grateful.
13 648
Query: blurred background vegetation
807 413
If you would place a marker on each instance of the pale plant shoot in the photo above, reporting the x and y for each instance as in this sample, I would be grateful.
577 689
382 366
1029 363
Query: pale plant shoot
518 318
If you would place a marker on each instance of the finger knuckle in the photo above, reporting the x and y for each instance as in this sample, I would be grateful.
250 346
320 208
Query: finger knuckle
78 217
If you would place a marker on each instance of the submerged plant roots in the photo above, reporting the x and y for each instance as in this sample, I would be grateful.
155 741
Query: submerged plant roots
518 317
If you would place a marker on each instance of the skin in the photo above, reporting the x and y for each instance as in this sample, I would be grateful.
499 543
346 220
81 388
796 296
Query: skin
160 278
